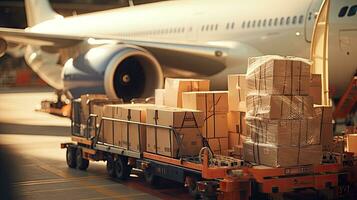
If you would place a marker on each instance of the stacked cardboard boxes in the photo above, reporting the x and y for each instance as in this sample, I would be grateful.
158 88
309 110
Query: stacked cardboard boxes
323 119
237 130
214 105
280 114
93 104
315 88
184 139
175 87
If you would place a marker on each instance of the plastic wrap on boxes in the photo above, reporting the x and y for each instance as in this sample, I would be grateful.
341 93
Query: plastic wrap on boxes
279 107
278 75
299 132
281 156
315 89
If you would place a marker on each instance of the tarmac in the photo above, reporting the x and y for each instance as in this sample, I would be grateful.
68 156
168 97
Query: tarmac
32 165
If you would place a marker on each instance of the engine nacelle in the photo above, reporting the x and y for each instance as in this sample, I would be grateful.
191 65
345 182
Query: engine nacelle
120 71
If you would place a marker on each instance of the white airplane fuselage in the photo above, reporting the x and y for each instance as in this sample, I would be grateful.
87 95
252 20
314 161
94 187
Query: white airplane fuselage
251 28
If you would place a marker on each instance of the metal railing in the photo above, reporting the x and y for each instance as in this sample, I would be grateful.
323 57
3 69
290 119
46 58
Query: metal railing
171 131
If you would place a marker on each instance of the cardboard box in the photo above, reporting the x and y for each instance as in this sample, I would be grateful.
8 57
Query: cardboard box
310 155
107 132
127 135
210 101
215 125
219 145
324 113
235 140
237 92
236 122
175 87
164 142
175 117
279 107
326 136
273 65
284 132
186 124
160 97
315 89
278 75
270 155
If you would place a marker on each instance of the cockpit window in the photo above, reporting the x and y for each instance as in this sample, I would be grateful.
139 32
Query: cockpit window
343 11
353 11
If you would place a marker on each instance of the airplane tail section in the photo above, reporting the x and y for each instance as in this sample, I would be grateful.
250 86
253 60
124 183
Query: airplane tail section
38 11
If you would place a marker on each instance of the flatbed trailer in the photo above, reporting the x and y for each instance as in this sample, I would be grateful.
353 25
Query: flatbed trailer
207 176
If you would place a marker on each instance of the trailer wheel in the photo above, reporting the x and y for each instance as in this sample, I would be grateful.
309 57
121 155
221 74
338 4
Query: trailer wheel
193 189
82 163
122 169
111 166
71 157
151 178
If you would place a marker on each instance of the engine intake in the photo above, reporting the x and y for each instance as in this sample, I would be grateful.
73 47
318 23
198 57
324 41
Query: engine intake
132 74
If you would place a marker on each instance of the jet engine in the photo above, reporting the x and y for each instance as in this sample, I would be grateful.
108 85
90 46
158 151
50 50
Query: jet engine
118 70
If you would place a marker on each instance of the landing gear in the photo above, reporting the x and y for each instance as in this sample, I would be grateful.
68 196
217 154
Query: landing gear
121 168
82 163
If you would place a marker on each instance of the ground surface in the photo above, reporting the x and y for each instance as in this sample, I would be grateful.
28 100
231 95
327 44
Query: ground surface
31 140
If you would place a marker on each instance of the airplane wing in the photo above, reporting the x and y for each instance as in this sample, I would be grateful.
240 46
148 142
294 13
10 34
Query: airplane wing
182 56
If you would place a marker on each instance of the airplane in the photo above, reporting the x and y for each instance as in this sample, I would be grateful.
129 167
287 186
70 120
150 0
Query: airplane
127 52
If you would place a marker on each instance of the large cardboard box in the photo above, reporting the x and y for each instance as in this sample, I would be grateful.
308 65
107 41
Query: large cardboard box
208 101
127 135
315 89
175 87
185 141
187 125
237 92
219 145
281 156
310 155
324 113
86 99
352 143
236 122
215 125
160 97
270 155
284 132
279 107
107 131
277 75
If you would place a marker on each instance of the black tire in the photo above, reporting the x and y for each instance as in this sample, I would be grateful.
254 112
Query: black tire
71 157
151 178
82 163
193 190
121 167
111 166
